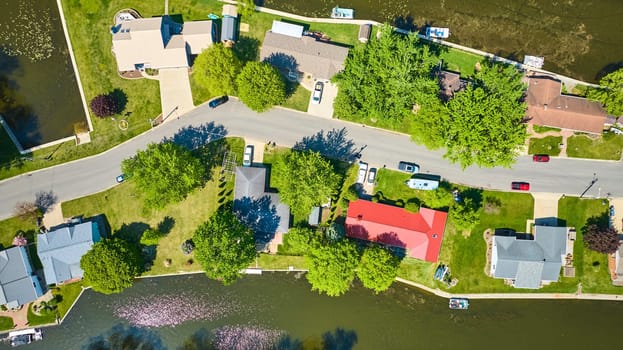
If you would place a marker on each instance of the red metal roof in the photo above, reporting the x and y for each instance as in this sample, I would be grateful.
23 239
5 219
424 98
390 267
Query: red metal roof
419 233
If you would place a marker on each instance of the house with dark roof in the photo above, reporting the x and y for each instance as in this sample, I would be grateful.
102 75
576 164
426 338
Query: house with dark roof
419 234
449 84
259 209
18 283
529 263
547 106
296 54
60 250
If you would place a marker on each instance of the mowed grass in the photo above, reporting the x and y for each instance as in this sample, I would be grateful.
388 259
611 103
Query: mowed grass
6 323
547 145
608 146
123 209
575 212
298 99
459 61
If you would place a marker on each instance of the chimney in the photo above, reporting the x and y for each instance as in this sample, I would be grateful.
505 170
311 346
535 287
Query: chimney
545 107
359 217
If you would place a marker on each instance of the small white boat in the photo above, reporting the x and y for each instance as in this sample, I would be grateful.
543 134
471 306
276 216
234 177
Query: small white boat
437 32
459 303
342 13
25 336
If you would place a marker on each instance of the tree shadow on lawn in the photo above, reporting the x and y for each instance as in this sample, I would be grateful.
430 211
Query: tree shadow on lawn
166 225
247 49
334 144
131 232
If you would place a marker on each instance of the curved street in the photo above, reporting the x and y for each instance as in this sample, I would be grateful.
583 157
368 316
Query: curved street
286 127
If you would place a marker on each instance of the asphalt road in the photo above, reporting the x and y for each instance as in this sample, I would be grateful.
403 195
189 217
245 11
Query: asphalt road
97 173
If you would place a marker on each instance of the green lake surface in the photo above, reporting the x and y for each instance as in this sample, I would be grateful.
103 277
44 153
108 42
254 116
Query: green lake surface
282 303
44 98
581 39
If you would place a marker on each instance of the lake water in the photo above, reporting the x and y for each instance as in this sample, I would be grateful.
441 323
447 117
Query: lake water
582 39
45 92
259 308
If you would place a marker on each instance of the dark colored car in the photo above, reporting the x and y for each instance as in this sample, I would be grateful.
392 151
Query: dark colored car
371 176
540 158
218 101
408 167
520 186
612 210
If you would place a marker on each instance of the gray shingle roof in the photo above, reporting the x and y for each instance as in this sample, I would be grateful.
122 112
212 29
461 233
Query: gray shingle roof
251 184
18 286
529 262
321 59
60 250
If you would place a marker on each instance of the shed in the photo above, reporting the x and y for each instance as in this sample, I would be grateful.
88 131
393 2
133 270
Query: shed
228 29
364 32
314 216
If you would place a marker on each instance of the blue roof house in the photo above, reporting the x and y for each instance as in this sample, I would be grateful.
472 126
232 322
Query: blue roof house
18 284
60 250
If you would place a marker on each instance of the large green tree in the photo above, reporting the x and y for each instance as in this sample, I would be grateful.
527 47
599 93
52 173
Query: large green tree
486 120
304 179
224 246
332 266
383 80
216 69
610 92
378 268
164 173
111 265
261 86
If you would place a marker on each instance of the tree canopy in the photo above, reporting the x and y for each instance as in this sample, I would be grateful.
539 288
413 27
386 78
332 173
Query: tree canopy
378 268
111 265
385 78
465 214
610 92
601 239
216 69
260 86
103 105
332 266
304 179
224 246
485 121
164 173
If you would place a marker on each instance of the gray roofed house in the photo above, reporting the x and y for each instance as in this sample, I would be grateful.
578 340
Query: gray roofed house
618 266
158 42
320 59
18 284
529 263
60 250
260 210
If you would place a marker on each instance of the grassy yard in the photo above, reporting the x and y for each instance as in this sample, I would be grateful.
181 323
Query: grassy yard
9 228
269 261
547 145
591 268
6 323
608 146
543 129
68 294
298 99
124 212
36 320
459 61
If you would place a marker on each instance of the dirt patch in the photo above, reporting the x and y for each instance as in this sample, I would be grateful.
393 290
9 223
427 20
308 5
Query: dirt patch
488 237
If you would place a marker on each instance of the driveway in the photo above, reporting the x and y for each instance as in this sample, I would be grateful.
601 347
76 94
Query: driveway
325 108
617 220
175 95
546 208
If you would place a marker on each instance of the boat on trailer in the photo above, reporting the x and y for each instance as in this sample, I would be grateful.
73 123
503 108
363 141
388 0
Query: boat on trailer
342 13
26 336
437 32
459 303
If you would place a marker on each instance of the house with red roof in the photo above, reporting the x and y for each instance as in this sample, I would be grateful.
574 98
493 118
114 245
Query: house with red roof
420 234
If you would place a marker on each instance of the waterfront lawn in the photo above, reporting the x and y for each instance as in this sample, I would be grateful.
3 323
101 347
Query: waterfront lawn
608 146
36 320
280 262
456 60
591 268
6 323
124 212
547 145
68 294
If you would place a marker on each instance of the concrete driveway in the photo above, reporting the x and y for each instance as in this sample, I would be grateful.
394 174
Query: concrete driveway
546 208
617 220
175 95
325 108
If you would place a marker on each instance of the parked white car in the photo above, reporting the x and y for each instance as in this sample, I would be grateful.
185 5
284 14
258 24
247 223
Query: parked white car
247 158
317 94
363 169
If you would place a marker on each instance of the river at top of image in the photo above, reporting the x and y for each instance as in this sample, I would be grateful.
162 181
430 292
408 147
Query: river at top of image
580 39
257 312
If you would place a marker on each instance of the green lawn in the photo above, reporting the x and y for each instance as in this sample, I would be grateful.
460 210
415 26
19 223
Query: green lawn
548 145
543 129
459 61
125 214
6 323
299 99
608 146
270 261
68 294
36 320
10 227
575 212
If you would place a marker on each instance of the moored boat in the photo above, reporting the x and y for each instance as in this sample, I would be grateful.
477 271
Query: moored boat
459 303
342 13
26 336
437 32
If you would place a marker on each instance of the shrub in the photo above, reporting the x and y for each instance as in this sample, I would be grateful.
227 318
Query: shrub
335 232
351 193
187 247
103 106
603 240
20 240
412 207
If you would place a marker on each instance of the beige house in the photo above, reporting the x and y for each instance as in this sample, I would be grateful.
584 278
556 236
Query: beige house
159 42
